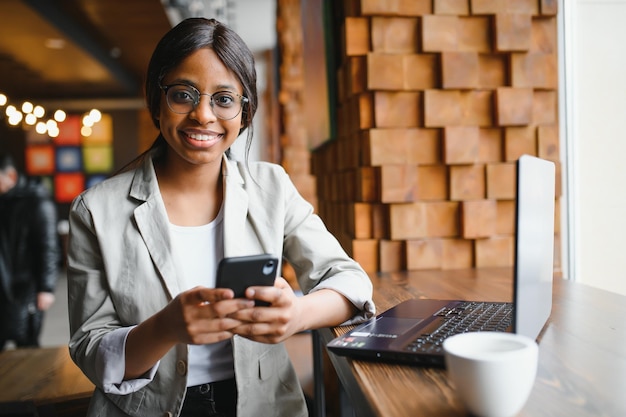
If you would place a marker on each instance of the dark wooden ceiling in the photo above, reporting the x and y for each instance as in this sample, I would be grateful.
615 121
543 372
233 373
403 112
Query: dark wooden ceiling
106 46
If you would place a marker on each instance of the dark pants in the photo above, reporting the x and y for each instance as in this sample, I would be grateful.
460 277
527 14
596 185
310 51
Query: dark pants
215 399
21 323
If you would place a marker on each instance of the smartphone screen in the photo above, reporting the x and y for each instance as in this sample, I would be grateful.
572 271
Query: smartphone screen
241 272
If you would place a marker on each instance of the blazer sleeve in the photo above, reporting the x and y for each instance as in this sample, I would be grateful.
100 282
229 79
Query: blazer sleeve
317 257
91 311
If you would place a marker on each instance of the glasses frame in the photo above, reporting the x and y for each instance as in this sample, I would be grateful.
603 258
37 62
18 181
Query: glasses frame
242 99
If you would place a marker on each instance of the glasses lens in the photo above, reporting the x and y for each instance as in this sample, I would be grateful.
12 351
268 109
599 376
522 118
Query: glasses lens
226 105
182 99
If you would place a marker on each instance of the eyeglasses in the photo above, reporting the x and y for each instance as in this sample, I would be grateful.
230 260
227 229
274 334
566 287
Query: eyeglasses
183 99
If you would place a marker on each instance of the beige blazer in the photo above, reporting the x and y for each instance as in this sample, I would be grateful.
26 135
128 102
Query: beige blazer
121 271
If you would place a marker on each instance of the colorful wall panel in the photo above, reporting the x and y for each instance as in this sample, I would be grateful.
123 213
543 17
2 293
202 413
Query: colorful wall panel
70 162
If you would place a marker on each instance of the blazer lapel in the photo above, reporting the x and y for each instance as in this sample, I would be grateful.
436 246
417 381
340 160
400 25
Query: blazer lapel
235 211
153 226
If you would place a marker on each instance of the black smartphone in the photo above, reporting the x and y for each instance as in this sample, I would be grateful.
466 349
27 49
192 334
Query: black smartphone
241 272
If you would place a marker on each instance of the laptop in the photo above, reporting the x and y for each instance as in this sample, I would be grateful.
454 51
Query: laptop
412 332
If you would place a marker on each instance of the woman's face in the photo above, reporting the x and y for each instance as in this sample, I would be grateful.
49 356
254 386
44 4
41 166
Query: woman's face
200 137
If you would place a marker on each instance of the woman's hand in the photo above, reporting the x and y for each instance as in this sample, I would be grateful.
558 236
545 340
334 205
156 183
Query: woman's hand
271 324
203 315
197 316
289 314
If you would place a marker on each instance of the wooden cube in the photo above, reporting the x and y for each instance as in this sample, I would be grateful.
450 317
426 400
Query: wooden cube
392 255
478 218
395 35
548 142
501 181
364 112
380 223
357 75
365 252
467 182
506 217
459 70
519 141
513 32
384 147
497 251
544 35
432 183
492 70
395 7
548 7
442 108
477 108
407 221
421 71
534 69
357 36
461 145
367 187
385 71
397 109
474 34
487 6
451 7
439 33
359 222
514 106
423 146
529 7
545 108
490 143
424 254
398 183
442 218
457 254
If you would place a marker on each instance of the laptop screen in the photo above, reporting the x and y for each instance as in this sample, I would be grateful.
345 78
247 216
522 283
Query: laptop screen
534 251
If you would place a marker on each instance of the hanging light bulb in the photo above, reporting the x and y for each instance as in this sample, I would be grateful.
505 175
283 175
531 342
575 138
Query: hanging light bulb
95 115
3 99
27 107
59 116
41 128
30 119
87 121
39 112
54 132
15 118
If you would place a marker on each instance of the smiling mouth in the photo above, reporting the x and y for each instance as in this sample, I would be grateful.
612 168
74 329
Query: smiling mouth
203 137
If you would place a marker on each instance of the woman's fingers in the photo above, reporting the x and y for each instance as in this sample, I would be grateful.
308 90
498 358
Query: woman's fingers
201 315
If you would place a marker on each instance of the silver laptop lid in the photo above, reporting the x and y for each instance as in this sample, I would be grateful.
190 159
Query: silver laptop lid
534 250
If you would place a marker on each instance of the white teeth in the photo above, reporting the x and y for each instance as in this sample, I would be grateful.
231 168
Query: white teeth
196 136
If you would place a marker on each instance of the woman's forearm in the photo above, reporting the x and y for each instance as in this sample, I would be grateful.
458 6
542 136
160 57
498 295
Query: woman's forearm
325 308
146 344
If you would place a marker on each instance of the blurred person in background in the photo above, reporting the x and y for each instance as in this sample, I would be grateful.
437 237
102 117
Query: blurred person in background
29 255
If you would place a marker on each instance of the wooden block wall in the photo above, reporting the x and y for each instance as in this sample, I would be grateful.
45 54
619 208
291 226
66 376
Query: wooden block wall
436 100
295 155
293 148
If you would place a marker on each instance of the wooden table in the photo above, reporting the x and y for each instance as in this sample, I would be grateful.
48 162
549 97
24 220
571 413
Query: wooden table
582 351
42 382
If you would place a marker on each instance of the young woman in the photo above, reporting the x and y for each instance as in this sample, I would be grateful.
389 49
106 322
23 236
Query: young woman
148 327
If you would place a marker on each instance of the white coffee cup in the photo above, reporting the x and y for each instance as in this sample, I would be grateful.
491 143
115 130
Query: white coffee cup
493 372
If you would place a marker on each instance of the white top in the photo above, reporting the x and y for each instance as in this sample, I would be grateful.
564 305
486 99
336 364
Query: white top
197 250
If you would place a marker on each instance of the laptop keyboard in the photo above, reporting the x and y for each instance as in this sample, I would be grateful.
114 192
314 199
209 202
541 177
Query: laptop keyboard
468 316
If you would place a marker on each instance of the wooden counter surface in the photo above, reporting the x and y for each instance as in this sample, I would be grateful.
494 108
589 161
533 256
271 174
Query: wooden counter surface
582 351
